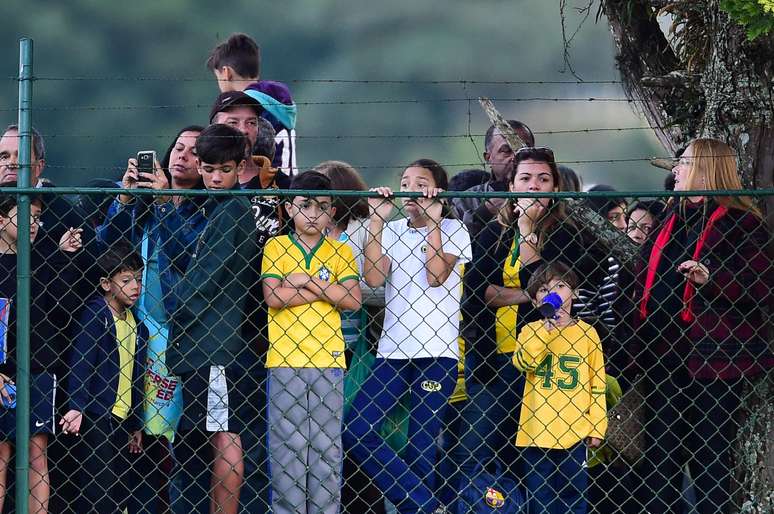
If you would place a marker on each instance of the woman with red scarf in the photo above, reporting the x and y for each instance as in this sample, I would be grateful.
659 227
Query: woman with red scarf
701 318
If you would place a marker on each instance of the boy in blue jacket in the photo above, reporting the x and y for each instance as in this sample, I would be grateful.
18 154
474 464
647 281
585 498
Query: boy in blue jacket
106 383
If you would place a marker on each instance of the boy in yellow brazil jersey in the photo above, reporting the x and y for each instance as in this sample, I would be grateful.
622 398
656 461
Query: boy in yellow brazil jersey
564 395
308 279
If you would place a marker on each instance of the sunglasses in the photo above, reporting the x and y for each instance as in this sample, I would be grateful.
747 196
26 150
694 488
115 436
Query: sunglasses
527 151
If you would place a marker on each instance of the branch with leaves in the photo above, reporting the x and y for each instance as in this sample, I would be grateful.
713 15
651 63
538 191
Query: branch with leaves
756 16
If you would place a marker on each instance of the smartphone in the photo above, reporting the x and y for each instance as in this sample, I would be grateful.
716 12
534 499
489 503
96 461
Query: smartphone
145 161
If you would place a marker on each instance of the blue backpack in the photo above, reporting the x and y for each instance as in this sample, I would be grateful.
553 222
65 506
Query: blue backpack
490 493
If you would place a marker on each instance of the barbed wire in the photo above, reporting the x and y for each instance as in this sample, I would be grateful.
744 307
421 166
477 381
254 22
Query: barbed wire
355 136
209 78
469 125
402 101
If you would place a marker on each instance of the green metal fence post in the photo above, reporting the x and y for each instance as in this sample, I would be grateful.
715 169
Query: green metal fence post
23 281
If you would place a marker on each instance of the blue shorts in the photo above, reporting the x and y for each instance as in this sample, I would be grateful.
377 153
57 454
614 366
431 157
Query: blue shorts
42 408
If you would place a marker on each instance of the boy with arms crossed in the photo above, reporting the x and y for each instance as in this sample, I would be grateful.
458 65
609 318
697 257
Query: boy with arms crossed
308 279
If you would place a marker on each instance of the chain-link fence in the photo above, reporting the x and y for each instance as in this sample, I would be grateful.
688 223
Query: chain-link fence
317 351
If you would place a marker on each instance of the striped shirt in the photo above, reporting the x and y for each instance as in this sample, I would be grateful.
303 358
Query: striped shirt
599 303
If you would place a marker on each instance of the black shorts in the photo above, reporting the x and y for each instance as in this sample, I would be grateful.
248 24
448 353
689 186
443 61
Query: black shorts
221 399
42 408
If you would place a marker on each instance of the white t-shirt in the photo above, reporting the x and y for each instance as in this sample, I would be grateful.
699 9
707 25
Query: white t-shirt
419 320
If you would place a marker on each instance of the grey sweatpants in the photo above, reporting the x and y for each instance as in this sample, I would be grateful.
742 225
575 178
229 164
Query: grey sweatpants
305 454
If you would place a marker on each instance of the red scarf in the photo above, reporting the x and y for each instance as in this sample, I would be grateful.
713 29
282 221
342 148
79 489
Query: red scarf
655 257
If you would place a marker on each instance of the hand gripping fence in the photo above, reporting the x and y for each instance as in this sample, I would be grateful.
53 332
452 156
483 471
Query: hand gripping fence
322 351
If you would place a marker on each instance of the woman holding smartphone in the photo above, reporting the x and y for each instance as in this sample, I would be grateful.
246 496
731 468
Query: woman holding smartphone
133 217
527 233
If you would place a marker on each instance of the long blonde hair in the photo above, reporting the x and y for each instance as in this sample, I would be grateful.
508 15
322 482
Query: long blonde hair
713 167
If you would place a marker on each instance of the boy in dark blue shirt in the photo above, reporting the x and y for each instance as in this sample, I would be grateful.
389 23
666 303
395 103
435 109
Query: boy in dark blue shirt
50 290
106 383
207 349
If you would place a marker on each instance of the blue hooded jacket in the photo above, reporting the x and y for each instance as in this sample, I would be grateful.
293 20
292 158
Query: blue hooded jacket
95 365
132 221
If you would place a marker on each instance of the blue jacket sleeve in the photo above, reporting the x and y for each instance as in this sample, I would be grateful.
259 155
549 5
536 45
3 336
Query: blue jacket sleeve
178 234
83 357
122 222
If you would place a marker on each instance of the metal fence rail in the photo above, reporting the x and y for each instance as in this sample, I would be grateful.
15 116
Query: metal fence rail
412 359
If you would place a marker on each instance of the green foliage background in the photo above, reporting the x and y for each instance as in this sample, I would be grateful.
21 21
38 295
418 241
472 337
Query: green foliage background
141 75
752 15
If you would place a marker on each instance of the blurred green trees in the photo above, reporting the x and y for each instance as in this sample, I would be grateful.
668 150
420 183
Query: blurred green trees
140 76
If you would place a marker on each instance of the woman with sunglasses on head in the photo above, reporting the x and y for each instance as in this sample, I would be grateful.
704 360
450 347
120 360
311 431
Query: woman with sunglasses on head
527 233
702 293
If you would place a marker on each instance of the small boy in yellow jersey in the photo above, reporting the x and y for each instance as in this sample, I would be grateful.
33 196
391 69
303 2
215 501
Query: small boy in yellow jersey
106 386
308 279
564 394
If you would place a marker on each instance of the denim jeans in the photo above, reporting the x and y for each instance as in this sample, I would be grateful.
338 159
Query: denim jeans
556 480
408 482
490 419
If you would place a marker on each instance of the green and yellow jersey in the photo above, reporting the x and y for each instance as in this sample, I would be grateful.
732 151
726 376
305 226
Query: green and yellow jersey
564 395
309 335
505 317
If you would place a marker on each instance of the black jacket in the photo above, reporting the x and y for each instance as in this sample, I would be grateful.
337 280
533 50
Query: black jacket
210 297
490 249
51 302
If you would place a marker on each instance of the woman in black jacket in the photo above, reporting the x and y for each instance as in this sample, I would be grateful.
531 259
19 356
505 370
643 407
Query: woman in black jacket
701 328
527 233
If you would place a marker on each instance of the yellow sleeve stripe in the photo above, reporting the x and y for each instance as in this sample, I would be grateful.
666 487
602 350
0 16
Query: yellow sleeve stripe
521 362
272 275
348 277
